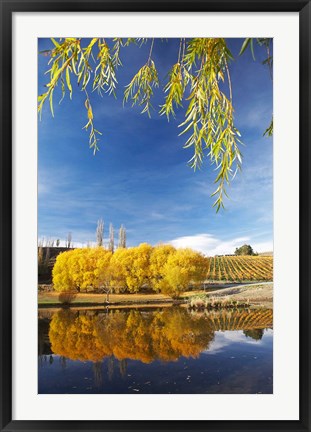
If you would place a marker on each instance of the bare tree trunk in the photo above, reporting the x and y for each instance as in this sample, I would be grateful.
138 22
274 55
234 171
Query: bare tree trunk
107 295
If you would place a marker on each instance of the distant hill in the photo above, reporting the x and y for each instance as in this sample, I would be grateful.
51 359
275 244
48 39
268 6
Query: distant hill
265 253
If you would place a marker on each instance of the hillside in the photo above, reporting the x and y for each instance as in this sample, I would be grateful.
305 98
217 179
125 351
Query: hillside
240 268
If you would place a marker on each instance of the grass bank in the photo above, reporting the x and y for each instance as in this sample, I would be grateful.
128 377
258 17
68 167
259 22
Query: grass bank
256 294
51 299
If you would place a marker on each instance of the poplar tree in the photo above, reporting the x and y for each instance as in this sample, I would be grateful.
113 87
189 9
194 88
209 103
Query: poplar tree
68 240
111 238
122 237
100 232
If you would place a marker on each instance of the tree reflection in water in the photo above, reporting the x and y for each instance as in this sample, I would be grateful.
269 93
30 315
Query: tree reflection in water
165 334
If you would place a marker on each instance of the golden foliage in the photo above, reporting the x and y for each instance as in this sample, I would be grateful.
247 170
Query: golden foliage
162 268
182 268
158 259
79 269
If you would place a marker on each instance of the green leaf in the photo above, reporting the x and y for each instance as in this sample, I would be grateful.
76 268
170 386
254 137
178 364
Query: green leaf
55 43
68 82
252 49
244 45
51 103
269 131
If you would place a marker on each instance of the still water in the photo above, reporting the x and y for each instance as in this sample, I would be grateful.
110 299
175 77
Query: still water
158 350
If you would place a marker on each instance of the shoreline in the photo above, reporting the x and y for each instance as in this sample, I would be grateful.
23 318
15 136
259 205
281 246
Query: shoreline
256 293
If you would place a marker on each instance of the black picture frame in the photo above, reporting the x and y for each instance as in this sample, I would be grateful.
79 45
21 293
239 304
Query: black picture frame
7 9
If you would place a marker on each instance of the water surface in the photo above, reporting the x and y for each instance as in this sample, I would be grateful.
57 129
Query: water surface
168 350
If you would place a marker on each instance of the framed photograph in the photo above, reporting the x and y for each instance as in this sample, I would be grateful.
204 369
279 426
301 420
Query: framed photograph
155 228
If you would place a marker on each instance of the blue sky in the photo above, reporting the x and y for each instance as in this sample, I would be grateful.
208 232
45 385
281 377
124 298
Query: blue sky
140 177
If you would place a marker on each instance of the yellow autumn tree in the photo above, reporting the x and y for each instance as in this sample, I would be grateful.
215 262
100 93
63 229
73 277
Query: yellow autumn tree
80 269
182 268
104 273
61 274
88 267
119 265
130 268
158 259
139 274
162 268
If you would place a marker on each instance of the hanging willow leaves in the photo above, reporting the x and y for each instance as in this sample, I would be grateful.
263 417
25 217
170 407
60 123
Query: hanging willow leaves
175 91
93 137
140 89
69 58
105 75
200 80
209 116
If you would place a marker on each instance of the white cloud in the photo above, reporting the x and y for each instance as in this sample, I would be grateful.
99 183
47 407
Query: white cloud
210 245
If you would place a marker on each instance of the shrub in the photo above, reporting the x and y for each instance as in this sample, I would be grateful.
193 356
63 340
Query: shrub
205 302
67 297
